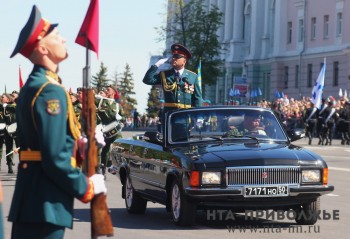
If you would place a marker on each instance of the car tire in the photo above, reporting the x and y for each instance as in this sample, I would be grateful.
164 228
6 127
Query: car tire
308 213
183 212
133 202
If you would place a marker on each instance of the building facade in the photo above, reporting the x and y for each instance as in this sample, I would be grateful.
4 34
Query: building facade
280 45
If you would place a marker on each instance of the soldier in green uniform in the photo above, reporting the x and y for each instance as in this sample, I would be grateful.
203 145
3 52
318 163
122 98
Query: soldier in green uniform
78 106
110 113
180 86
251 125
48 179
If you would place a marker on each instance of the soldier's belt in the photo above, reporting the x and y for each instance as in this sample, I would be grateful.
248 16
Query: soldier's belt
30 155
177 105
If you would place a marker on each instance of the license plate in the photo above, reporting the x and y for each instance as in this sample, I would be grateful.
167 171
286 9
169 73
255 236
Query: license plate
271 191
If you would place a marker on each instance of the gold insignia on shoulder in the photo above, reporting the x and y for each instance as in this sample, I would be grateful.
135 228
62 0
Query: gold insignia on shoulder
53 107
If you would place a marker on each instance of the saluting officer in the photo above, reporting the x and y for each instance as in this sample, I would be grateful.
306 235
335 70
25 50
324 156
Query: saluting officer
48 179
181 87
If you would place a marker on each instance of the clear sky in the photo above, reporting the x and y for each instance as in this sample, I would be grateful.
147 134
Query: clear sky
127 35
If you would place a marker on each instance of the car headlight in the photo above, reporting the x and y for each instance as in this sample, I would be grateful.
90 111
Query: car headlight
311 176
211 177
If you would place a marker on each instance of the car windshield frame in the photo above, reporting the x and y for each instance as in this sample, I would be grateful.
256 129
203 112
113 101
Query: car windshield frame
223 124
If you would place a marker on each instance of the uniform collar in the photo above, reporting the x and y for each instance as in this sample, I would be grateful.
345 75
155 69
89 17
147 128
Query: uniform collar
180 71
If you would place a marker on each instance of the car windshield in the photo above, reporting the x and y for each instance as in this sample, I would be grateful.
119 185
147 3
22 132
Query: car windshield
201 124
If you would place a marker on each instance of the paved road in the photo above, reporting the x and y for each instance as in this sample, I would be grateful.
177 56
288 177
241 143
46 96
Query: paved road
156 222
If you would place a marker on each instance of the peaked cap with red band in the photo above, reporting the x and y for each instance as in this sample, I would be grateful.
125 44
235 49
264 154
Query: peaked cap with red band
35 29
180 49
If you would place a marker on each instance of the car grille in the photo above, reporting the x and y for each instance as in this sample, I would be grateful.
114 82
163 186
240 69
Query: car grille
263 175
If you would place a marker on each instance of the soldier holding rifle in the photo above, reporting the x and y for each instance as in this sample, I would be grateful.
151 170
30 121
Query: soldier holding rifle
48 179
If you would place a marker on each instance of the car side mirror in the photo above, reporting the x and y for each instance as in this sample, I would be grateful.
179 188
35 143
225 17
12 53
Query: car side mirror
296 134
152 137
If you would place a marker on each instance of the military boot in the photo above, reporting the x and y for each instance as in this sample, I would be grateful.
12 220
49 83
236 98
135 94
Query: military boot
10 170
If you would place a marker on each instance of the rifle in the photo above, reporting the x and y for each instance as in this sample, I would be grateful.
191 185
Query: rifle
101 222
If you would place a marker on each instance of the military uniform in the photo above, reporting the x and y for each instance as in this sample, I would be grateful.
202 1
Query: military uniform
330 117
48 179
78 107
310 121
180 91
107 111
2 130
320 122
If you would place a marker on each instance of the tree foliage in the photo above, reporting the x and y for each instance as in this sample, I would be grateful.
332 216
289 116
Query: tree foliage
126 91
100 80
195 27
153 104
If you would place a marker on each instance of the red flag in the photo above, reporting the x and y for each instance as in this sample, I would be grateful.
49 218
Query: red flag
20 78
89 31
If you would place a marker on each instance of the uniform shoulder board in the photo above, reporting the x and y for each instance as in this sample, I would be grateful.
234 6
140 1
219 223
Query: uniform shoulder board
192 72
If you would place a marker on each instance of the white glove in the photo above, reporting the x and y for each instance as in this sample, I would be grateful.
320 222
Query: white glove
98 180
161 62
99 135
118 117
99 97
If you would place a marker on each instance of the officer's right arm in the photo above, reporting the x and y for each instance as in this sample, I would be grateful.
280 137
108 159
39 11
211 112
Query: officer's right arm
151 76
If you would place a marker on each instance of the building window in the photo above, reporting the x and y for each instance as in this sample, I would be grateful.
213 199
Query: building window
286 76
326 26
301 30
290 31
313 28
339 24
335 73
296 76
309 75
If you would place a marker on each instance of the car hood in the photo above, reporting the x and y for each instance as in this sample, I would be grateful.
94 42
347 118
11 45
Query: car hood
263 154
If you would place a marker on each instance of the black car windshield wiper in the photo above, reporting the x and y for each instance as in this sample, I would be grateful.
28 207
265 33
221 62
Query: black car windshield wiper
241 136
219 138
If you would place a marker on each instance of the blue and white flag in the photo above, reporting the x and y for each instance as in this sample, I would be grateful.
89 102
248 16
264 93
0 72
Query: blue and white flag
259 92
231 93
316 98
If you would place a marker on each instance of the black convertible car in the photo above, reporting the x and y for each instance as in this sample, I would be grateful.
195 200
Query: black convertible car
237 158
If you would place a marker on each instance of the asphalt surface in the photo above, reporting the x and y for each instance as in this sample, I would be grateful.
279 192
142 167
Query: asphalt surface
156 223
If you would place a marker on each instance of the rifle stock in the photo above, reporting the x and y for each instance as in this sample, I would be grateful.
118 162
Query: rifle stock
101 222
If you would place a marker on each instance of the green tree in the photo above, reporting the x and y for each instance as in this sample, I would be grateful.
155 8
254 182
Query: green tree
126 91
153 104
195 27
100 80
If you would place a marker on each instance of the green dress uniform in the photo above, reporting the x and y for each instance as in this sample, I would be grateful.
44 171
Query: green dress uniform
183 94
179 92
48 179
78 107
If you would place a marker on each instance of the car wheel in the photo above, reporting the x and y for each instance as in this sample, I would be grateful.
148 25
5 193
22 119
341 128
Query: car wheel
133 202
307 214
183 211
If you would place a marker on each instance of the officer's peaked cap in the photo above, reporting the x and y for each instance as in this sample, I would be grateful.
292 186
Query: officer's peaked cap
35 29
180 49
